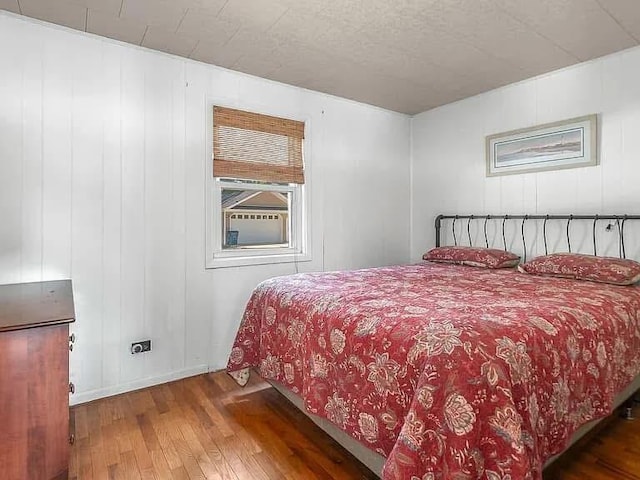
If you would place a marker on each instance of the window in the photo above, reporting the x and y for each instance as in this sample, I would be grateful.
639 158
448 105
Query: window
257 190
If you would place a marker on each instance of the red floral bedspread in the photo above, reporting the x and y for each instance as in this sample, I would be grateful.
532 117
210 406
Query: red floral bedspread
451 372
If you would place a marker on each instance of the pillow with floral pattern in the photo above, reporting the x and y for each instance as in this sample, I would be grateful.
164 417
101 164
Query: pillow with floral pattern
616 271
473 256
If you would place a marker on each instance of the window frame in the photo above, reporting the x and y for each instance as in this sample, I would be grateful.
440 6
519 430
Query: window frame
218 257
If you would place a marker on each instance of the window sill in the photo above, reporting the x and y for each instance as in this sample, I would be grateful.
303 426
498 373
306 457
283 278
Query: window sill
229 261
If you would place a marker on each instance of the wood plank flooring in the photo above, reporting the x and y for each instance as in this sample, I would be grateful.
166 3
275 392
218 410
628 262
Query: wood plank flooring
206 427
610 451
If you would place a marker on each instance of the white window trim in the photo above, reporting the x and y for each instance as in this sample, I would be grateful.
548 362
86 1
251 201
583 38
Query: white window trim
300 210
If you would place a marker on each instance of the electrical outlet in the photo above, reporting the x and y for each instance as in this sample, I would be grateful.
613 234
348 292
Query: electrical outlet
140 347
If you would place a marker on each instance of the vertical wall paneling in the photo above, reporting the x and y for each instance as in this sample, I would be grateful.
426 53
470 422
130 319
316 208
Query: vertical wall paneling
113 350
357 206
57 73
448 150
32 162
159 72
87 207
199 284
177 212
133 253
11 121
339 219
104 153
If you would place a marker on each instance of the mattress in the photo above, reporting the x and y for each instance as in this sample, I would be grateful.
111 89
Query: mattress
446 370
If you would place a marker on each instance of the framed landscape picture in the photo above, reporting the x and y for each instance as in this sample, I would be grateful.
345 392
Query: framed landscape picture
566 144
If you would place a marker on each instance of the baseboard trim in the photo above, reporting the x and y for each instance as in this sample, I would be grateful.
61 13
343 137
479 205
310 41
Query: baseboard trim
84 397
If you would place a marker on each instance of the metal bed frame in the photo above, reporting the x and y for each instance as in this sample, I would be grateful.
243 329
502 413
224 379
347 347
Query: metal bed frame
619 223
374 460
618 219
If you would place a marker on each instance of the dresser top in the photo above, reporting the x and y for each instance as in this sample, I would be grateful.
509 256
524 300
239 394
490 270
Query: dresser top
37 304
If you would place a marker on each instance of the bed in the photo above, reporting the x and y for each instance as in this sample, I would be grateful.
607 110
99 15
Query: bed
446 371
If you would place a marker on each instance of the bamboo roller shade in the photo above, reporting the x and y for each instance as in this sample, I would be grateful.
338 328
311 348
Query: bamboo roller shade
257 147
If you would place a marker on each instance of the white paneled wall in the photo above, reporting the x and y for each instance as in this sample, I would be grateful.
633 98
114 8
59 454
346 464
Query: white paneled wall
102 180
448 161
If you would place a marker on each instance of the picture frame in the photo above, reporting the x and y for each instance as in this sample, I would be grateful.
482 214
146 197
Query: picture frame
568 143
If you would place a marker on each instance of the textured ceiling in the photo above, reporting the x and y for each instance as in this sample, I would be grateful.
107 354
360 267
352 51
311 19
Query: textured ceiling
404 55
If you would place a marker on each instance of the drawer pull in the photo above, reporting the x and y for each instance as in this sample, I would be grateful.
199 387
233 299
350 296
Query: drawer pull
72 388
72 439
72 338
71 347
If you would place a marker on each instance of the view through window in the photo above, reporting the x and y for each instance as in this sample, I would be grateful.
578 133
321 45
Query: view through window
255 219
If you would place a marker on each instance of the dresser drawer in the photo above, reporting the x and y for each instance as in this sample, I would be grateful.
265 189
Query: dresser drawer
34 380
34 395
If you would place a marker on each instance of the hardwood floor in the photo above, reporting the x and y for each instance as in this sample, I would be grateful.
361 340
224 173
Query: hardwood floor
206 427
611 451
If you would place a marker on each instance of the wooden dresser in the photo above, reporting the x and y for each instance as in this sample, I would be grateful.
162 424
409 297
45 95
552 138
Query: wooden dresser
34 379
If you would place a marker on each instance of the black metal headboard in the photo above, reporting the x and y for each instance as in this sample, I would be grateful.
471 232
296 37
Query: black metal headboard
619 223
